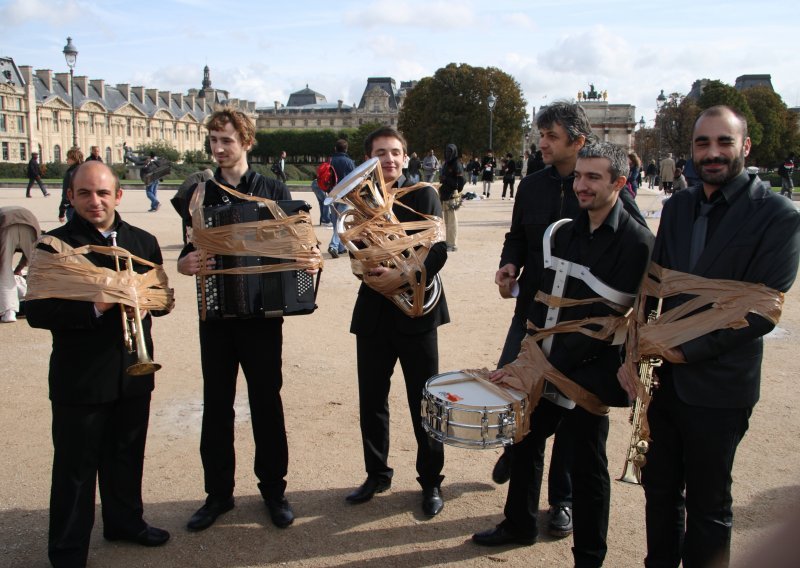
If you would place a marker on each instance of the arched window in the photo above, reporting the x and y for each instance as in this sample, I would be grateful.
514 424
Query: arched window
108 155
56 153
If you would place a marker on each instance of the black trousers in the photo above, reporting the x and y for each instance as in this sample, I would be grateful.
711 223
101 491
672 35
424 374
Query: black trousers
256 345
104 441
591 484
559 479
687 480
419 359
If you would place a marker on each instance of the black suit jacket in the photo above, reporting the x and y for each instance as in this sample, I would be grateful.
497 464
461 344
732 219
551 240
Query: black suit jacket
757 240
374 313
88 362
618 253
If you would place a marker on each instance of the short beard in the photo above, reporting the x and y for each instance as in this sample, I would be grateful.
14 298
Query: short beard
735 167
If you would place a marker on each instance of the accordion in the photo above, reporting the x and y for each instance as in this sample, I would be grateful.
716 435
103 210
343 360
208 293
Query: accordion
259 295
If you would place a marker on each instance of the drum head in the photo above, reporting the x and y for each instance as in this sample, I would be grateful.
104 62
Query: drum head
352 180
469 392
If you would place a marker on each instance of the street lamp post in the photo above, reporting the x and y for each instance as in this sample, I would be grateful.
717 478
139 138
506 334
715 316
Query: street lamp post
642 124
491 102
71 55
660 100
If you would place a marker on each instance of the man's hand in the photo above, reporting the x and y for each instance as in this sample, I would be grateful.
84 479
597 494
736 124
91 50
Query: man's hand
380 271
498 376
627 377
504 276
190 264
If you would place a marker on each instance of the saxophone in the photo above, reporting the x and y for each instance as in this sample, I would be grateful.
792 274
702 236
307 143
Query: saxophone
639 444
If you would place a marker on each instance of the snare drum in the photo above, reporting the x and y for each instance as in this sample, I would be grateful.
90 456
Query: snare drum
461 411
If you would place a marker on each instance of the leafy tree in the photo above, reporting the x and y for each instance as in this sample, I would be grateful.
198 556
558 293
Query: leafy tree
451 107
160 148
718 93
195 157
675 122
779 130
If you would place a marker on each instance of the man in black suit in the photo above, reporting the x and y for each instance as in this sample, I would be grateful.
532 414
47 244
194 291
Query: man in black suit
385 334
100 413
605 251
226 344
709 385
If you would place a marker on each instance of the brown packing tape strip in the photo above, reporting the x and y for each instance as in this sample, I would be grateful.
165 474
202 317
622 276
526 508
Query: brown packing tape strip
728 302
389 243
68 275
287 237
482 375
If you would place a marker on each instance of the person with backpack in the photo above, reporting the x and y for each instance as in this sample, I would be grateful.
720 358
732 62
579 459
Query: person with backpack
279 168
342 164
453 181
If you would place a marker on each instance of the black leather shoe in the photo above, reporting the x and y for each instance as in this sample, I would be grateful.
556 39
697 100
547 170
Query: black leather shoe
502 469
368 489
499 536
150 536
560 524
208 513
280 512
432 502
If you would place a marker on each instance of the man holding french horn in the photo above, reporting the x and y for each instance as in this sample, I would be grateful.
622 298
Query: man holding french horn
99 386
385 332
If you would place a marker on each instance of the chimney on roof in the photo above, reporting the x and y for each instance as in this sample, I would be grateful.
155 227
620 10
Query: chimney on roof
339 105
177 98
63 80
125 90
191 99
99 86
152 94
46 75
277 104
82 84
27 73
139 92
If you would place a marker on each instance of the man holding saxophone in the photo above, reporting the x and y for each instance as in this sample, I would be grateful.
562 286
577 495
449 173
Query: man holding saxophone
100 411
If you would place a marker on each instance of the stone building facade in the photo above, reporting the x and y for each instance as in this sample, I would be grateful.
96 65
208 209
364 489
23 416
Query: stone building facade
36 114
309 110
613 123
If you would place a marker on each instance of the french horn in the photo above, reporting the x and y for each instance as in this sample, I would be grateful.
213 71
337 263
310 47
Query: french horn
370 231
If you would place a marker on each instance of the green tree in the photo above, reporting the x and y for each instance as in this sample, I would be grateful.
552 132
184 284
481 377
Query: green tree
195 157
718 93
451 107
160 148
675 122
772 114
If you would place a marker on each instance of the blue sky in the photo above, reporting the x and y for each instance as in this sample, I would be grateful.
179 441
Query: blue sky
263 50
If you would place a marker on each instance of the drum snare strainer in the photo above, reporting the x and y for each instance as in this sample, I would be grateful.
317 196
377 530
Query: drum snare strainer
461 411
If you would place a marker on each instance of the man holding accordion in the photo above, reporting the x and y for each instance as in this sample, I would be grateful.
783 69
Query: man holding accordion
254 343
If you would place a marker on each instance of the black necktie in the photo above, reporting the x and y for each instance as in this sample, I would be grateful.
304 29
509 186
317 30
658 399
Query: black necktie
699 230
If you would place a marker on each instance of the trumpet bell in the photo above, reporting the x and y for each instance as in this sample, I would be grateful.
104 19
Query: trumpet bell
142 368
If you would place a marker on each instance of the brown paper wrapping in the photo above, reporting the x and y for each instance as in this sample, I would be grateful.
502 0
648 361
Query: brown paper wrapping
384 241
288 237
728 302
67 274
482 376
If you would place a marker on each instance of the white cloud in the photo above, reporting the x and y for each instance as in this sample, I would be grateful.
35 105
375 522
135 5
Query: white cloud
54 13
435 15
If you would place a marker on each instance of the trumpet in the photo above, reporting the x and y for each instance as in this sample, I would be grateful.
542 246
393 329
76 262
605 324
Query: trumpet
639 444
132 329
